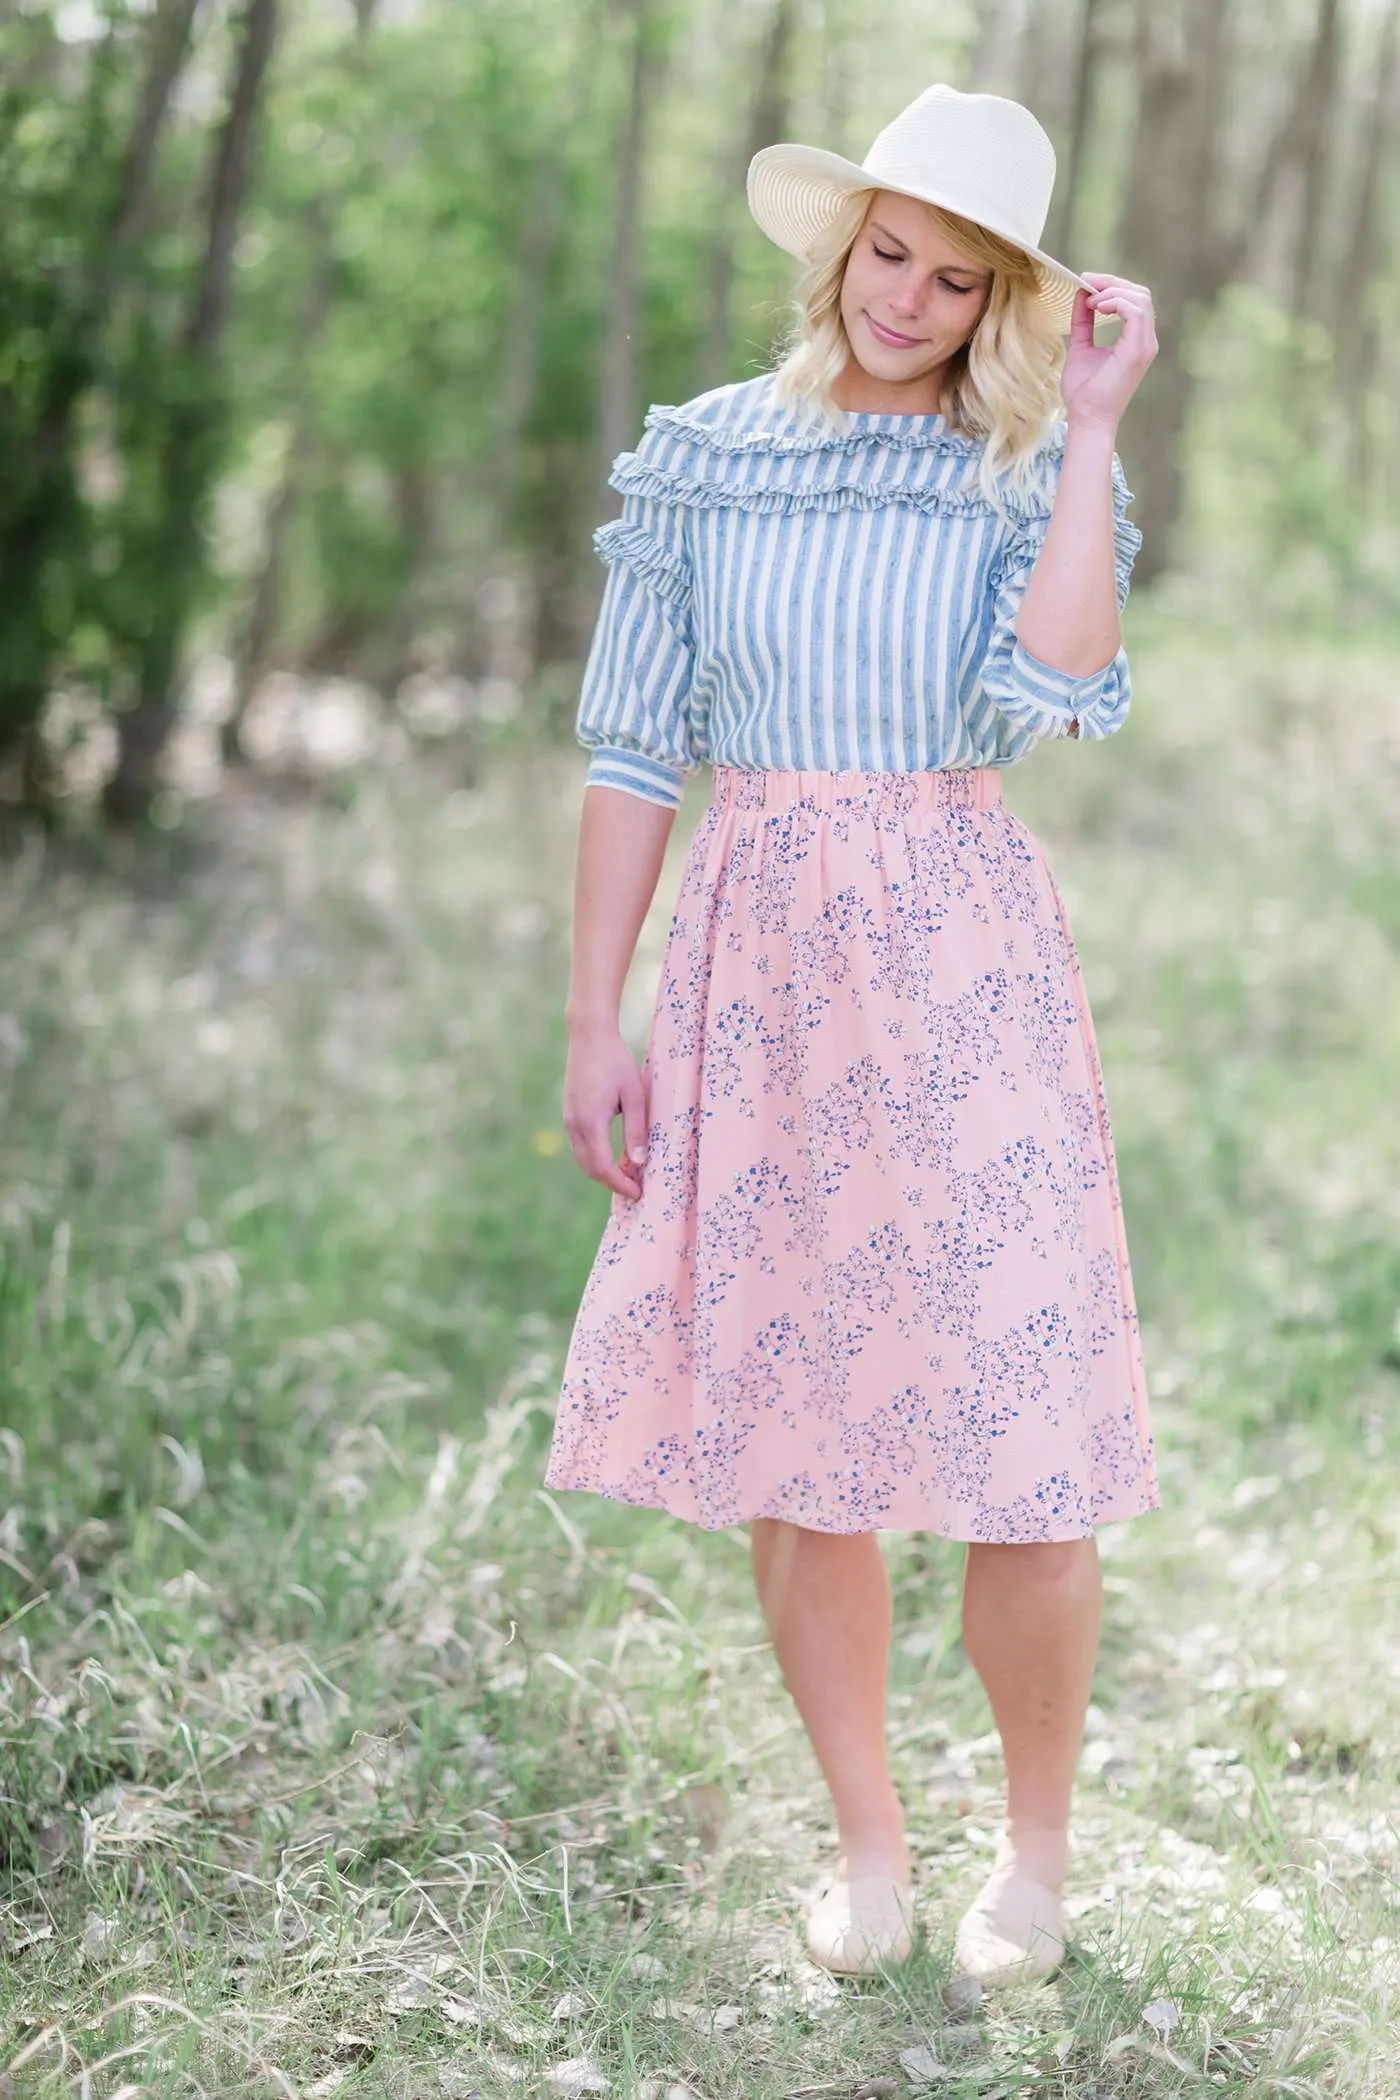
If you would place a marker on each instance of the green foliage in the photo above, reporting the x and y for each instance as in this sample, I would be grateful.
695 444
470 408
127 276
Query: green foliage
113 432
1275 496
55 182
433 216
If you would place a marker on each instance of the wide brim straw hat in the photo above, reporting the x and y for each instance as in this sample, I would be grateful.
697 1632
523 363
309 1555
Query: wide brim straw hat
981 156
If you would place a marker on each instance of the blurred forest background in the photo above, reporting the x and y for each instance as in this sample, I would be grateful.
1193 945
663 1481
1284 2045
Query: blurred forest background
336 1756
320 322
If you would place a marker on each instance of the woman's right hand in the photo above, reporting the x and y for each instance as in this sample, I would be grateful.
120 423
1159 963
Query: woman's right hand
602 1077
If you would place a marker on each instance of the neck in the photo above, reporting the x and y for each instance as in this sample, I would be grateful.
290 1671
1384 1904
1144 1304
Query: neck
863 395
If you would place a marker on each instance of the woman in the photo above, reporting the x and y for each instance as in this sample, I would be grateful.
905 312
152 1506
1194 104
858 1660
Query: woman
865 1264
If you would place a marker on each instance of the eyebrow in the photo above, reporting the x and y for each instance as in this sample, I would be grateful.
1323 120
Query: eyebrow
960 269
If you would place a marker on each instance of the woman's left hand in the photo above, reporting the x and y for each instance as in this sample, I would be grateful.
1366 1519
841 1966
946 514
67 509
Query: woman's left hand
1099 380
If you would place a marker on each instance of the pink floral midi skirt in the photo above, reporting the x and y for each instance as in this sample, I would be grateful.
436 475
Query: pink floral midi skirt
877 1276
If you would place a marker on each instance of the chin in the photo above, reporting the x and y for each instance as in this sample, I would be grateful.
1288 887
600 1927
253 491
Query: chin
895 366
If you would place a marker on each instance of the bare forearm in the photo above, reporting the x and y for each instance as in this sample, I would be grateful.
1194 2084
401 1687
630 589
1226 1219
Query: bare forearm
1069 615
621 844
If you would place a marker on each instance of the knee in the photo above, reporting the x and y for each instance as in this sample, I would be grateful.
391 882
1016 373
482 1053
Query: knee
771 1539
769 1531
779 1548
1056 1566
772 1545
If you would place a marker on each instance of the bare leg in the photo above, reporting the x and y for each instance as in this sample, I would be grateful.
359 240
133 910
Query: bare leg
1031 1619
827 1602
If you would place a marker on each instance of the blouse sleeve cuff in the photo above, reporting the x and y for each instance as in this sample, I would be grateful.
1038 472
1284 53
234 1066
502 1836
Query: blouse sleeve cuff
1059 701
636 774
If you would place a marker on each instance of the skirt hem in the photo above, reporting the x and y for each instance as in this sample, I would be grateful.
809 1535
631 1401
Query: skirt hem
1117 1514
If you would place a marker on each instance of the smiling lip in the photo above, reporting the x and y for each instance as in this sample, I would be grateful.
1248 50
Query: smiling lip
889 335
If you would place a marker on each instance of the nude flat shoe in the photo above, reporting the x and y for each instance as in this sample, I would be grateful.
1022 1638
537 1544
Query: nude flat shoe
1014 1931
860 1927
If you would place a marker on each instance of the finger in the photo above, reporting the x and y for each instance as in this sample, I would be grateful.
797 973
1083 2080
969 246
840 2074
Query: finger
1136 319
593 1152
1104 282
621 1178
634 1122
1138 324
1081 325
1122 303
1136 345
1124 307
1123 294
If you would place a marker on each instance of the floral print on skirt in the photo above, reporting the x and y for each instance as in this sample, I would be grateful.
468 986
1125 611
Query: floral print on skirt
877 1276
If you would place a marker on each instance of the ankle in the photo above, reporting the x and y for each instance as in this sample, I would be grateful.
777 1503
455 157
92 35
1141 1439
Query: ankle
1037 1850
874 1843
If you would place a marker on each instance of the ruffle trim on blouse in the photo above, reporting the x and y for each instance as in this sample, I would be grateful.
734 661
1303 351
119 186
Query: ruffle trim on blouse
921 434
830 483
647 558
1023 550
735 448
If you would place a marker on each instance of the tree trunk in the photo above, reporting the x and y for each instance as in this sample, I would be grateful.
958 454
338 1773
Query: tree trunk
254 645
1356 276
839 30
990 64
232 165
47 512
617 393
194 431
1181 60
1038 82
558 614
497 478
1065 219
768 116
170 34
1358 324
418 506
522 339
1314 138
253 649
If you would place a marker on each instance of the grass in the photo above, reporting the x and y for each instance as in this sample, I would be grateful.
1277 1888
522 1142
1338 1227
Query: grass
338 1757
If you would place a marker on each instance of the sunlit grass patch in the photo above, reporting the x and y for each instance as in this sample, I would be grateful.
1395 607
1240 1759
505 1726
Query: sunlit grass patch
540 1810
336 1756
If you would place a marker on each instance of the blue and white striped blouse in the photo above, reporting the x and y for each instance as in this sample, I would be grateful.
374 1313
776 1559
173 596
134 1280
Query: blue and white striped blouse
781 594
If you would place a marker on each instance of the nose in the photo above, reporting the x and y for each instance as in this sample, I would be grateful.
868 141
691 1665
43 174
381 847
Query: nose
908 301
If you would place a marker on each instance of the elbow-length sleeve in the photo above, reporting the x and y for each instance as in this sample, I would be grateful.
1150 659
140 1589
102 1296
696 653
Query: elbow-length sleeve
1033 695
633 712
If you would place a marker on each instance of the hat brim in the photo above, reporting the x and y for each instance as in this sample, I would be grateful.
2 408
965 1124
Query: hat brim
795 192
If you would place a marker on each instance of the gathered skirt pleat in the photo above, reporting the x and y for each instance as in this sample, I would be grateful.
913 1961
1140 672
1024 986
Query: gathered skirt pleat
878 1276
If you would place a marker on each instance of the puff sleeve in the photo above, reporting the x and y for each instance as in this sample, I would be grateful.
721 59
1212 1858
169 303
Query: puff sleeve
1032 695
633 712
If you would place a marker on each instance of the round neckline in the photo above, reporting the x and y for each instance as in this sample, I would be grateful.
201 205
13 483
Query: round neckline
888 422
873 418
783 429
892 417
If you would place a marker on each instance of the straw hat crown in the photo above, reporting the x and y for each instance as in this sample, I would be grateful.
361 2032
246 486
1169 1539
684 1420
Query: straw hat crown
981 156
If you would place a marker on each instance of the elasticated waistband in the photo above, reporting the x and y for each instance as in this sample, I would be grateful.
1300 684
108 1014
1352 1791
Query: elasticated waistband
776 787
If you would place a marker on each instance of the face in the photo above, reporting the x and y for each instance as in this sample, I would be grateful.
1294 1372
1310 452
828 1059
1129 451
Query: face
909 301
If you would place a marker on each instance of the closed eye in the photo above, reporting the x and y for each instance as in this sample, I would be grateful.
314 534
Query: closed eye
885 255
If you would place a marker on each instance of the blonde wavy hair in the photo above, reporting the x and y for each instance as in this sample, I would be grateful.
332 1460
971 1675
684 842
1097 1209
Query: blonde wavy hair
1001 387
